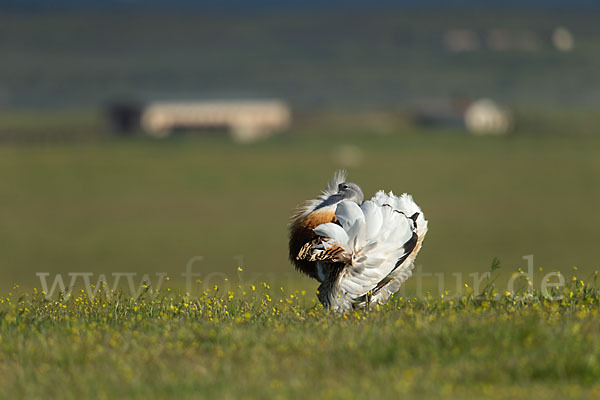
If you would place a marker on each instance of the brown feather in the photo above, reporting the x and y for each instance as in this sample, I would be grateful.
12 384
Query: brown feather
301 233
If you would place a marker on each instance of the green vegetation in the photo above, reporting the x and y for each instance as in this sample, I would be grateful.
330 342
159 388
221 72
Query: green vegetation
105 206
77 203
262 342
139 205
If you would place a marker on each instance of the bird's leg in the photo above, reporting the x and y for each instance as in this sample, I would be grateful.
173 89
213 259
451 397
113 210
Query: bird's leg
368 298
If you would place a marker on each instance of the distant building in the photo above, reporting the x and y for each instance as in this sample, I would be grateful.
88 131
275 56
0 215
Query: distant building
245 120
485 117
123 116
461 40
495 39
506 39
562 39
479 117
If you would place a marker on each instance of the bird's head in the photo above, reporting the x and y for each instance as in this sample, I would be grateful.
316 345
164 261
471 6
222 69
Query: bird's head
350 191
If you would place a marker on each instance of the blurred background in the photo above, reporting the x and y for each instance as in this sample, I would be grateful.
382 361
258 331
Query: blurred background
136 135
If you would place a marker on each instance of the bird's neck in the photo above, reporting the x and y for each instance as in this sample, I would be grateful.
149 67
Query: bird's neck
331 201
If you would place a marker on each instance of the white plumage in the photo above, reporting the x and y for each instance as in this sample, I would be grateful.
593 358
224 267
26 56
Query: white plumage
374 237
368 250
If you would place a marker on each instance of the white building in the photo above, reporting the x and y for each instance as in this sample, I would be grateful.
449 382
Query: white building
486 117
245 120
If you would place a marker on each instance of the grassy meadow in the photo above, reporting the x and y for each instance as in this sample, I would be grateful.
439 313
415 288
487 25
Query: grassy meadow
145 206
250 326
263 342
177 249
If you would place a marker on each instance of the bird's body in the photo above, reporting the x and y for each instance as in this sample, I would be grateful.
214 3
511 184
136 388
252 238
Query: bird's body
360 252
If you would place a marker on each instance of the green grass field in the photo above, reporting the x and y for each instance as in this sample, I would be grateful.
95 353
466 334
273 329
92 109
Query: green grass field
106 206
113 214
261 342
144 206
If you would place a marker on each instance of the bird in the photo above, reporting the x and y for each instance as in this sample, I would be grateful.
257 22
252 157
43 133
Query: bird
359 251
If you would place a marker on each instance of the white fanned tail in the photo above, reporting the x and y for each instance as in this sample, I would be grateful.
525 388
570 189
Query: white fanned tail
380 240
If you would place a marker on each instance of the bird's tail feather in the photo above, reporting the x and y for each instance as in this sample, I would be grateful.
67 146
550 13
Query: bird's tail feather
379 239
